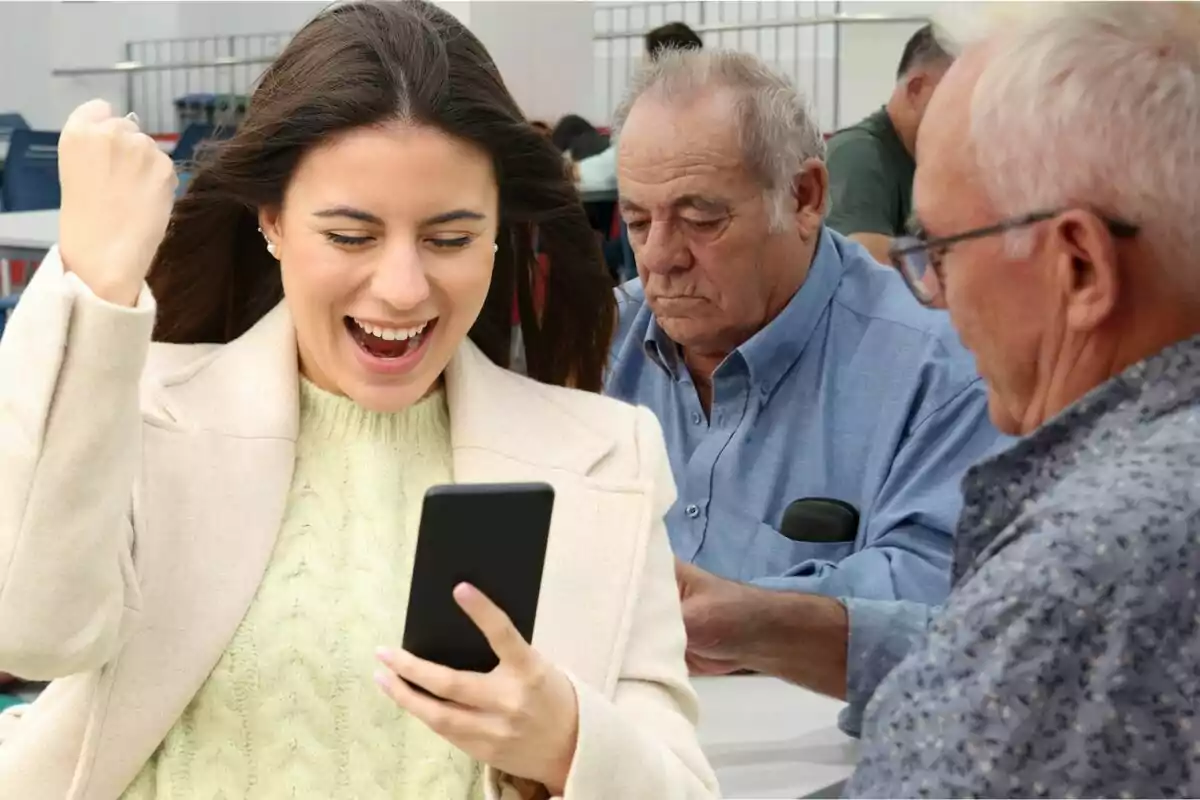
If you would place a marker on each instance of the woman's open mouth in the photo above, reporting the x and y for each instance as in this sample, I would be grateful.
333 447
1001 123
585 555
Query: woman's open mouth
389 348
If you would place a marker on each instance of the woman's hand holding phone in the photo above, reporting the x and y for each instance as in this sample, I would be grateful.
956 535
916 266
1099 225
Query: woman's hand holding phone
521 718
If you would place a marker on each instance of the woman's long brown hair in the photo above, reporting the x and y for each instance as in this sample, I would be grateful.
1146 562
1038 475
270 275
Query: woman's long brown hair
366 63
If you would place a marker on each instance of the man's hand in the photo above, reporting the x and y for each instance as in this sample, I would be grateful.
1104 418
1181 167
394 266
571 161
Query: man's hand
715 613
731 627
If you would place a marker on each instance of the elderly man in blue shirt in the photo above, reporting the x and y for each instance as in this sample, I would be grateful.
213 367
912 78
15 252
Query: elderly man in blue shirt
784 363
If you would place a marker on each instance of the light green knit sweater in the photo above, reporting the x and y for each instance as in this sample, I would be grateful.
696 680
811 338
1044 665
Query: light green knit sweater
291 710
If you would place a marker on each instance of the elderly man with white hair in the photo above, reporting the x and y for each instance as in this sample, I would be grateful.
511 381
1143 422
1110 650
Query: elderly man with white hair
1057 194
785 364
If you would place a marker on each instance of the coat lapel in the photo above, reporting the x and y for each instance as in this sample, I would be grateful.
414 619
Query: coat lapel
506 429
496 413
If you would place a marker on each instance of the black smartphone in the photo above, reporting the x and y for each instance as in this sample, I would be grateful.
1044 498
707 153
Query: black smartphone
492 536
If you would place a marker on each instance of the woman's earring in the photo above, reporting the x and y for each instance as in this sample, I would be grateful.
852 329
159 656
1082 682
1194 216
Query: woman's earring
495 248
272 248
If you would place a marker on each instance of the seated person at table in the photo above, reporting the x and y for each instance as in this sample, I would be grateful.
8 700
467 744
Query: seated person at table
208 539
871 163
782 361
1066 660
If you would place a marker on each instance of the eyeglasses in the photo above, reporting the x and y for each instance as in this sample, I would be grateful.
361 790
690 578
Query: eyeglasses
917 256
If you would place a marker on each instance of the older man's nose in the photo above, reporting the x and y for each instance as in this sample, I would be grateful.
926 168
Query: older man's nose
662 251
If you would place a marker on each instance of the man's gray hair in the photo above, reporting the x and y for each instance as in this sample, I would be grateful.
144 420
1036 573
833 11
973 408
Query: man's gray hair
1094 104
776 128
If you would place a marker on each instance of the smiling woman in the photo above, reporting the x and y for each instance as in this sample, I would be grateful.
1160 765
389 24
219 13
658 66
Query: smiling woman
207 541
396 164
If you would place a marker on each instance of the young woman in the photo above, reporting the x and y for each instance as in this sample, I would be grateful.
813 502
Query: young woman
207 542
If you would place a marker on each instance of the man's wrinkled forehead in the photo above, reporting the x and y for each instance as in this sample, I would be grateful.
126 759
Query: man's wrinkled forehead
670 153
701 126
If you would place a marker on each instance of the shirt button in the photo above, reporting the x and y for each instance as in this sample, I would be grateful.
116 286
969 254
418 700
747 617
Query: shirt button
696 418
693 511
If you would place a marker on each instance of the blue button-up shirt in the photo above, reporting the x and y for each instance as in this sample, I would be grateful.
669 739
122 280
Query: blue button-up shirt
853 392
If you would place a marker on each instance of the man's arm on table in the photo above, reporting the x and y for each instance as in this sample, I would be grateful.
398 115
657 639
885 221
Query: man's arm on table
840 648
793 628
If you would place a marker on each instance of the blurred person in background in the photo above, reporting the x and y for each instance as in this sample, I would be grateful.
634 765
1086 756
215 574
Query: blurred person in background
783 363
871 163
672 36
577 138
599 171
207 539
1058 228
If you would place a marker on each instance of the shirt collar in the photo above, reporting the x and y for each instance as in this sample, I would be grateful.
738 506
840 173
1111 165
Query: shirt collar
770 353
1090 430
661 350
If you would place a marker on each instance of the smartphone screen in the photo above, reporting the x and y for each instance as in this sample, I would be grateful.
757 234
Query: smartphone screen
492 536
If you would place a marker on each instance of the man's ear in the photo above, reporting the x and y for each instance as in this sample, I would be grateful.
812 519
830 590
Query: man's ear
1086 270
915 84
810 195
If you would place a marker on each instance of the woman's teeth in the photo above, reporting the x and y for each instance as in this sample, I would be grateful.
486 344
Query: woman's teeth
382 342
391 334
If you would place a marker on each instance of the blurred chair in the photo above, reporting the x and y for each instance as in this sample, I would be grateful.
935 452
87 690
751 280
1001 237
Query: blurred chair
31 172
10 123
195 135
7 304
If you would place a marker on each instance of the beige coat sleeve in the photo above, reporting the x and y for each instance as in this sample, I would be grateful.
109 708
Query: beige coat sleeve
643 743
70 430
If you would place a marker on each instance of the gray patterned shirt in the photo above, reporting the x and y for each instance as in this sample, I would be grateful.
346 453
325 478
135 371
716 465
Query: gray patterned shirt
1066 662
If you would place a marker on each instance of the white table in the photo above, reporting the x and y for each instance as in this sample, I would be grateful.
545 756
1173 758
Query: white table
769 739
24 236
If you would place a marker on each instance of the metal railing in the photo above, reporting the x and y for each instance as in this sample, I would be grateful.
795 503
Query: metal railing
802 40
161 71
